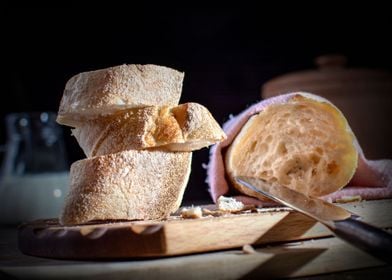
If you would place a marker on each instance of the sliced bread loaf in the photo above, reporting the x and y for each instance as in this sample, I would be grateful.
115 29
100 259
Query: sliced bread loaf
186 127
132 185
304 144
102 92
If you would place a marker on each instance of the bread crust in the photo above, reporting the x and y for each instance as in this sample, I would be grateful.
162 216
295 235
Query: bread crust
186 128
102 92
131 185
137 140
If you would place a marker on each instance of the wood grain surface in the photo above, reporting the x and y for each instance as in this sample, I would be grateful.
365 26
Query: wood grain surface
182 236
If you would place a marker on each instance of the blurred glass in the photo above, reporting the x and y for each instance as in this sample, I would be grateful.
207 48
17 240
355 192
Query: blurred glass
34 172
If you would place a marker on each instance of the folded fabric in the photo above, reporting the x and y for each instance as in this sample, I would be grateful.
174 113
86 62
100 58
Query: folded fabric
372 178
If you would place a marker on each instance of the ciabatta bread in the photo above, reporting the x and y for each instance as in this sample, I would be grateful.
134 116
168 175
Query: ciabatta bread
137 141
186 127
304 144
102 92
127 185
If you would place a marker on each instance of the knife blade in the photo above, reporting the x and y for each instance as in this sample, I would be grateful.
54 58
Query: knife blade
341 222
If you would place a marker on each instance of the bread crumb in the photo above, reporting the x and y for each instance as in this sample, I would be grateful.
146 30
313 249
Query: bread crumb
346 199
274 209
86 230
215 213
192 213
248 249
229 204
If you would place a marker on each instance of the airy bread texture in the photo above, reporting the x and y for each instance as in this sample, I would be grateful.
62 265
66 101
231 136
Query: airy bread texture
102 92
303 144
127 185
186 127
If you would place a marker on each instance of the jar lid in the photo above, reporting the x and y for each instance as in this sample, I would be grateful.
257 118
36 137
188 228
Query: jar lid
329 78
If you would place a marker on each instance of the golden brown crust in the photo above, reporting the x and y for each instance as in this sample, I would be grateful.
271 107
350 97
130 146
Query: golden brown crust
186 127
102 92
126 185
303 144
118 113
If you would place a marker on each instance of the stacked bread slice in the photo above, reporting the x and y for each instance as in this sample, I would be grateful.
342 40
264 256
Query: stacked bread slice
137 139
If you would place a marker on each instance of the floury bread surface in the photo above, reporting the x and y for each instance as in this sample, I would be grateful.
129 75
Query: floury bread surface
130 185
138 141
303 144
102 92
186 127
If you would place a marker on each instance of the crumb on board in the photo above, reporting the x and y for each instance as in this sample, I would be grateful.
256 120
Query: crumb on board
235 207
347 199
247 209
274 209
229 204
248 249
192 212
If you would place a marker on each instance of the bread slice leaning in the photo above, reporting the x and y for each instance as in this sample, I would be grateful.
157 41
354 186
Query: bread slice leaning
132 185
303 144
102 92
186 127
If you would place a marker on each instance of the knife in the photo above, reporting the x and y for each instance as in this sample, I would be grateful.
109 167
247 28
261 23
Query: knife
341 222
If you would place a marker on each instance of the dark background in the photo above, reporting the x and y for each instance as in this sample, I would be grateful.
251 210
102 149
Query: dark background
226 54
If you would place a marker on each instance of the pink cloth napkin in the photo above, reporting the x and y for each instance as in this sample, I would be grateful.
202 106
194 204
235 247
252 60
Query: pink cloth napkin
372 179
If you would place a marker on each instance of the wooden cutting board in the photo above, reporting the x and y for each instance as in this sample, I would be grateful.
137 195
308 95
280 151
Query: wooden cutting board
176 236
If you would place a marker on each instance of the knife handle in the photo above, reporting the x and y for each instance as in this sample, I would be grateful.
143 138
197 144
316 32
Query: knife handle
370 239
